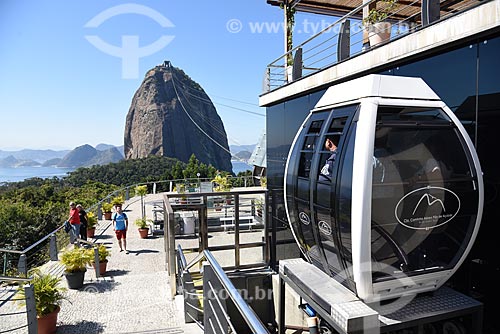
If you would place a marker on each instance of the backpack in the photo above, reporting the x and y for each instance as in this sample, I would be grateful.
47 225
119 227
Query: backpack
67 226
123 213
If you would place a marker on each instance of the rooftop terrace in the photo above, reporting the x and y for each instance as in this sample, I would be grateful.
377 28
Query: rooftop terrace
133 296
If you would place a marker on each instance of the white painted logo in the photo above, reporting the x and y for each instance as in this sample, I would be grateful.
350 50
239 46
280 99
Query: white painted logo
427 208
129 52
325 228
304 218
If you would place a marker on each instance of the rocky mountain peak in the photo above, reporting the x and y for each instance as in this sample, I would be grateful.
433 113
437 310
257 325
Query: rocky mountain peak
171 115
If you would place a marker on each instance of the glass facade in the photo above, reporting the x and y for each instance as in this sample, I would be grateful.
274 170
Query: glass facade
467 80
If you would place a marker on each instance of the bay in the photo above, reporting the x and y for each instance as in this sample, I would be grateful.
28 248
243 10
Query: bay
239 166
22 173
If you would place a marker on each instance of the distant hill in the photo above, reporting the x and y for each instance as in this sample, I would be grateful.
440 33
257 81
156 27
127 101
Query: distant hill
36 155
103 147
52 162
11 161
238 148
243 155
81 156
86 155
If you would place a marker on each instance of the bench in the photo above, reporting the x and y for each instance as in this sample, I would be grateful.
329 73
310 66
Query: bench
244 221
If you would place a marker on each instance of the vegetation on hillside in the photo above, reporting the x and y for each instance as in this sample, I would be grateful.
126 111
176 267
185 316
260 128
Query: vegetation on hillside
33 208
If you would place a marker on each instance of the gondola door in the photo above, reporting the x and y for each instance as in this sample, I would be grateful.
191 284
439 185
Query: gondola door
310 186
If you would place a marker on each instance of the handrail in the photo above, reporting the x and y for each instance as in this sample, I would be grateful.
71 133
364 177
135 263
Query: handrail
16 279
246 311
43 239
182 258
341 40
340 20
24 251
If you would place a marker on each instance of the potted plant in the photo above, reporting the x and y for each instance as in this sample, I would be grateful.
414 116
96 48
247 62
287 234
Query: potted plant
222 183
181 189
91 224
106 209
117 200
259 204
142 191
378 29
75 261
143 228
49 293
263 181
103 257
290 22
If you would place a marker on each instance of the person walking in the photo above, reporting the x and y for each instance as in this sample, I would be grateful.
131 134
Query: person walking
120 226
83 221
74 220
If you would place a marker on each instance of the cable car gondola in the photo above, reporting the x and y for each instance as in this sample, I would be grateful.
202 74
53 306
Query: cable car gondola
399 210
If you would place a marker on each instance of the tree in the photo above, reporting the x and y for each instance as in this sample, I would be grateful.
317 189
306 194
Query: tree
141 191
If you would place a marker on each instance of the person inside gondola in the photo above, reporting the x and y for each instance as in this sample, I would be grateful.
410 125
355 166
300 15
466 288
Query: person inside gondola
331 143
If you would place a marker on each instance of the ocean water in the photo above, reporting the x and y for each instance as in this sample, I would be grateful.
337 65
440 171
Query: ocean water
22 173
239 166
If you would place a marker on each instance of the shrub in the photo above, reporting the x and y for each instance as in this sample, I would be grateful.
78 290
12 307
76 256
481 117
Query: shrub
106 207
91 220
141 223
103 253
76 259
48 292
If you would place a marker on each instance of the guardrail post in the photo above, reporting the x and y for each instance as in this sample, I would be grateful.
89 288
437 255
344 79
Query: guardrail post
297 65
96 261
430 11
22 265
266 84
344 44
99 212
29 292
53 248
127 194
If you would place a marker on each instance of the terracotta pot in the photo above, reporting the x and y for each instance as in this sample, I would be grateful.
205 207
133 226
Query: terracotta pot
143 232
107 215
379 32
90 232
47 323
102 266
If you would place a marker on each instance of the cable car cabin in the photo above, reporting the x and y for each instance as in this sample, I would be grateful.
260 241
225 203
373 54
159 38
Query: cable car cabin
400 207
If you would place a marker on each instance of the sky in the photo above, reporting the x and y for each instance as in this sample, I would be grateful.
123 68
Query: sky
69 69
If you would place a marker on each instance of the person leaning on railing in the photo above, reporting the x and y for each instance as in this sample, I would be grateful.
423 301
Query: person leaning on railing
74 220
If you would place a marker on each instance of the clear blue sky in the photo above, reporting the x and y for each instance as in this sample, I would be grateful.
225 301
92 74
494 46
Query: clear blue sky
58 90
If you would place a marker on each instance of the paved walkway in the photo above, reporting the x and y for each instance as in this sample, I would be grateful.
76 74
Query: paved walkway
134 294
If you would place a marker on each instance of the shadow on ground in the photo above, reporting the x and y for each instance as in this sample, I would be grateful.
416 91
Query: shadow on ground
103 236
81 327
142 251
117 272
98 286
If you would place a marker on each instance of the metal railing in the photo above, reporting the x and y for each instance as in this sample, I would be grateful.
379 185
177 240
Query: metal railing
36 254
216 318
228 220
348 36
11 320
218 293
47 249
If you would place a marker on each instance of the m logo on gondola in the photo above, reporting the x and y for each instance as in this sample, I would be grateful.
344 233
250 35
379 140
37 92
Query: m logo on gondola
427 208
